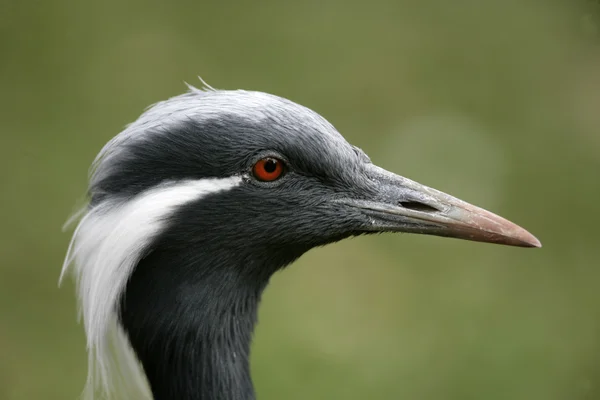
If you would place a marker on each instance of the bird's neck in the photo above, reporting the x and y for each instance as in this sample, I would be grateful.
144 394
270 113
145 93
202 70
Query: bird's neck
191 324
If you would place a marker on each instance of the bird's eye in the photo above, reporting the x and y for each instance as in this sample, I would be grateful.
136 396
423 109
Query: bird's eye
268 169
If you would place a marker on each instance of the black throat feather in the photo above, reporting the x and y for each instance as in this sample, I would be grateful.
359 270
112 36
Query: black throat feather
191 326
190 307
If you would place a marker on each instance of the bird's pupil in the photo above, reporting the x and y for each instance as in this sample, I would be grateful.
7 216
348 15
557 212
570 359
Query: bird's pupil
270 165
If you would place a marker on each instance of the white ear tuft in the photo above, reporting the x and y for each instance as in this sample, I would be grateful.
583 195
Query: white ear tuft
107 244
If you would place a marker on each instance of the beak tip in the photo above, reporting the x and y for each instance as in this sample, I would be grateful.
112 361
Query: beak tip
526 239
534 242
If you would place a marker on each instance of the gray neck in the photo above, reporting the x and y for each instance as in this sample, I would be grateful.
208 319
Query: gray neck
190 330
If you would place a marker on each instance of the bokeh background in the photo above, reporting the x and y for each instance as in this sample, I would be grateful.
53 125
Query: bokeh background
496 102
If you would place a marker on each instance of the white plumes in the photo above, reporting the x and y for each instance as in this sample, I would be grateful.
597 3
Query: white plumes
107 244
204 88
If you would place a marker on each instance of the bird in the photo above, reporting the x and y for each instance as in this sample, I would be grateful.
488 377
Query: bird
195 205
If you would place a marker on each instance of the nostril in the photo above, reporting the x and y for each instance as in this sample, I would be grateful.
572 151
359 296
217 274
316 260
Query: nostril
416 206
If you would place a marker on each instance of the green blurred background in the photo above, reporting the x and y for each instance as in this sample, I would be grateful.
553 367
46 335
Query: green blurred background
496 102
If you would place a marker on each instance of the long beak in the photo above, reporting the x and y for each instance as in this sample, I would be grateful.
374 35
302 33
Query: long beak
401 205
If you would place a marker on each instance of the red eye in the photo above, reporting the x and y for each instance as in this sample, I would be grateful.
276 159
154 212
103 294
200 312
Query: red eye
268 169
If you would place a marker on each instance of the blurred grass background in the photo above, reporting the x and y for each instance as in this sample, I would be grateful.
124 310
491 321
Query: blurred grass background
496 102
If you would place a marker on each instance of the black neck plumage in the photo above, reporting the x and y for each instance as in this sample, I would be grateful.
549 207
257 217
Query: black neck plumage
190 318
190 305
